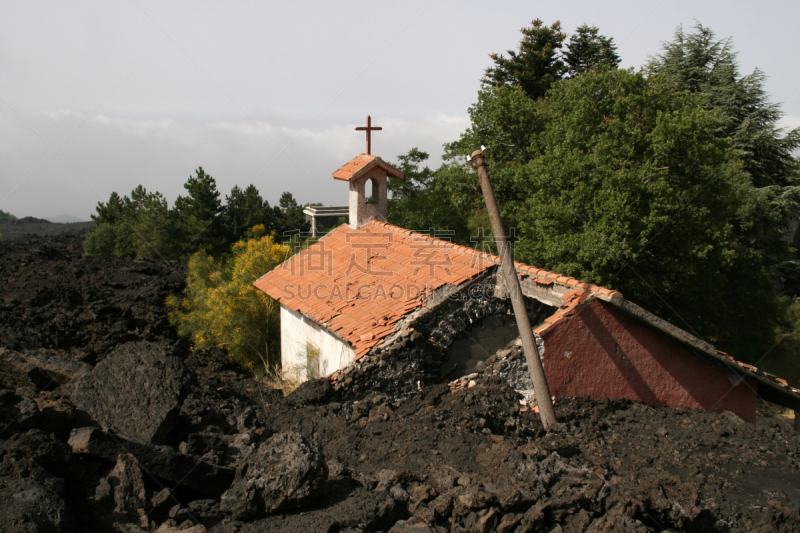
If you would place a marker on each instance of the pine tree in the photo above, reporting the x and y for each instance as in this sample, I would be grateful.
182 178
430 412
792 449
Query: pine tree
110 212
502 118
243 210
6 217
101 241
587 50
537 64
289 218
697 62
135 226
148 225
197 213
418 203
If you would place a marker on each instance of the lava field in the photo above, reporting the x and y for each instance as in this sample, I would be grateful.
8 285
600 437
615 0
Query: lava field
111 423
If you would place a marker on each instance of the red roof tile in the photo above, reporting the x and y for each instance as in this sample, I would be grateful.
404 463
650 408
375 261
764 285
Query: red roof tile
363 163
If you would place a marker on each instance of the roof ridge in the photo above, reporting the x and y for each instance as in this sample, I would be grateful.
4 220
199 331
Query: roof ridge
566 281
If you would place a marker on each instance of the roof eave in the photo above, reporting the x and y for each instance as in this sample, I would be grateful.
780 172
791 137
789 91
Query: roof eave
377 162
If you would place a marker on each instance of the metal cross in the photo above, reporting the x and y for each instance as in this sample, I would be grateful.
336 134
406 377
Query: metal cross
369 129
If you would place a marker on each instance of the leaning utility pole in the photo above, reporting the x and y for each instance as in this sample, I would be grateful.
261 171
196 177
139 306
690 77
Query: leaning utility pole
509 272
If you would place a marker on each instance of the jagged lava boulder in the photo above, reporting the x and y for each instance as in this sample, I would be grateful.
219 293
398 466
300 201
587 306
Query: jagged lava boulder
162 462
137 390
285 472
32 500
123 492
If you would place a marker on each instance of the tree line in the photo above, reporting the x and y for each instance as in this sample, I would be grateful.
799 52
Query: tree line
143 225
226 247
673 183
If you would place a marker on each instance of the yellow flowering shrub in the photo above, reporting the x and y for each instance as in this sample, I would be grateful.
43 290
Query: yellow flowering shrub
220 306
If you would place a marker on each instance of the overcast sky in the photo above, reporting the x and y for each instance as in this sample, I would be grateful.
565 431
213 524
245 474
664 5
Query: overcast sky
98 97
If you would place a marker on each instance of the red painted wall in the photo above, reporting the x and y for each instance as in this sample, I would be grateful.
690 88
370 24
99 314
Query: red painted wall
601 353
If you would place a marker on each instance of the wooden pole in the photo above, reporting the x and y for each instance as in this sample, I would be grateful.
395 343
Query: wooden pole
546 410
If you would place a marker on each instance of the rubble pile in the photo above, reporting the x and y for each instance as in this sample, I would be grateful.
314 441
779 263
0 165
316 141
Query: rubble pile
110 423
417 353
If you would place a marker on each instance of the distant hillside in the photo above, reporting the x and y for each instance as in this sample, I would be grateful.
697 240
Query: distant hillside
39 226
65 219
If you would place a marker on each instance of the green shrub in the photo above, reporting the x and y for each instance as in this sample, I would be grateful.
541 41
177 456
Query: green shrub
220 306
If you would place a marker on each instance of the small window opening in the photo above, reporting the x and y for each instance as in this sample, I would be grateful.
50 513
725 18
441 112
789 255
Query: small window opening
371 191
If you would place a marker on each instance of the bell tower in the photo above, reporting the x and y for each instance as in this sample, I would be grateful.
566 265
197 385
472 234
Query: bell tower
368 176
369 179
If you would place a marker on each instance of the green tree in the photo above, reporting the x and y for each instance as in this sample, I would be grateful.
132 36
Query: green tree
110 212
243 210
672 184
418 202
150 225
289 218
196 214
503 117
535 66
287 201
6 217
135 226
101 241
220 306
542 60
587 49
406 193
143 224
103 236
699 63
616 178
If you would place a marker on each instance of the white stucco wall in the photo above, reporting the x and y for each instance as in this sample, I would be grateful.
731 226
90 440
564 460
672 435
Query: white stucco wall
296 331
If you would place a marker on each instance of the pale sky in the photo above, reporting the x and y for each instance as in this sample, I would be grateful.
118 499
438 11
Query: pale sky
98 96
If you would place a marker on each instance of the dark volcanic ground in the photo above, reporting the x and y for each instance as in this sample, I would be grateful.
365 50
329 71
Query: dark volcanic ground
40 226
108 422
52 298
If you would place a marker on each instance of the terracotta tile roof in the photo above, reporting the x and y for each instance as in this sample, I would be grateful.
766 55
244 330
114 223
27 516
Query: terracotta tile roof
363 163
360 283
543 277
